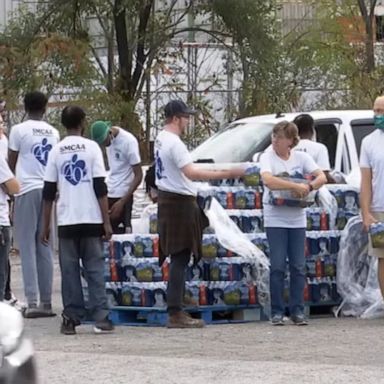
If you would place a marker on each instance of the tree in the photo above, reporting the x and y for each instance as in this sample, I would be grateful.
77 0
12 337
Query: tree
367 10
134 31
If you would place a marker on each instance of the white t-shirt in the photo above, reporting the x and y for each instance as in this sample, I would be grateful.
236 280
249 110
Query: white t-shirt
5 175
317 151
122 154
171 155
4 146
372 156
33 139
73 164
298 162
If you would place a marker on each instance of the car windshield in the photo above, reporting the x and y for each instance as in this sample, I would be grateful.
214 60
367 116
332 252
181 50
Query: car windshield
237 142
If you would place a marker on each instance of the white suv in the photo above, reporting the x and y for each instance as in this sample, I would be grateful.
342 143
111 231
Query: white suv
340 131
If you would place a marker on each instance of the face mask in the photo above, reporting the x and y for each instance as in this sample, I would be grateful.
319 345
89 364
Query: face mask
378 121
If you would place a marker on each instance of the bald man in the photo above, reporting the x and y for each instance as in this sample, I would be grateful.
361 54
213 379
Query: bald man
372 181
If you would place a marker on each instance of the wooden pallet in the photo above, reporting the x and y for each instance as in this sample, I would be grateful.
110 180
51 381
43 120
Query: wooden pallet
150 316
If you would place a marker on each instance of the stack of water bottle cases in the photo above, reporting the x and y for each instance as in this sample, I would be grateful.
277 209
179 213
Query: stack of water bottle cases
135 279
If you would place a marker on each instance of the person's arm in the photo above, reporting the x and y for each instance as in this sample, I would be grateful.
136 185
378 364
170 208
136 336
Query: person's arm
366 197
193 172
13 148
49 196
330 179
118 207
8 182
12 160
366 184
320 179
101 192
276 183
11 187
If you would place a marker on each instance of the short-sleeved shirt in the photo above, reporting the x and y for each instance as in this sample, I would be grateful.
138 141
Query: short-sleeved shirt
123 154
171 155
317 151
372 157
298 162
5 175
33 140
4 146
73 164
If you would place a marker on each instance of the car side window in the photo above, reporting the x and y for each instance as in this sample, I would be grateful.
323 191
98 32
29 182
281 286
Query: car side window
360 129
327 134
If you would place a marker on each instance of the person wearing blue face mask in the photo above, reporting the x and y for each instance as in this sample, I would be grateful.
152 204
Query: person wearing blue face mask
372 181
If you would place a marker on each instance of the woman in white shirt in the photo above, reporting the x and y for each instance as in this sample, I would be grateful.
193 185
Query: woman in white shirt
285 226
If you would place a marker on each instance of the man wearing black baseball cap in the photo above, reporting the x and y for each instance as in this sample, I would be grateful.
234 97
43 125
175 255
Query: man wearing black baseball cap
181 220
177 108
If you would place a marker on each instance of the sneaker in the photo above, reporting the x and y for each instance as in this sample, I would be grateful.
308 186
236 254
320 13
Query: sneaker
183 320
104 325
299 319
35 312
277 320
68 325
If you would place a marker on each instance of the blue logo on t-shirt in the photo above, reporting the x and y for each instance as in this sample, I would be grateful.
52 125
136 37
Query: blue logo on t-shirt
41 151
74 170
159 167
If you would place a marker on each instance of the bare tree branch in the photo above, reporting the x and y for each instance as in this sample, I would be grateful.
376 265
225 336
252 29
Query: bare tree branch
145 13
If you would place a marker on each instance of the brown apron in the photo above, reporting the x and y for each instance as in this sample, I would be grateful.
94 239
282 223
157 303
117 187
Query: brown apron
181 223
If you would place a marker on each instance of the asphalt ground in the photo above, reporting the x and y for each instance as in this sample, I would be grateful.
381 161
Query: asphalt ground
327 351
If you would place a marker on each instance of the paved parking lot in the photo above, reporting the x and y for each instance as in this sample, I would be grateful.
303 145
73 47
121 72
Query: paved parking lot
328 351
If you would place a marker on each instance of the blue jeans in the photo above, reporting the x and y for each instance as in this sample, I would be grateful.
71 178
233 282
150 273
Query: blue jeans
287 243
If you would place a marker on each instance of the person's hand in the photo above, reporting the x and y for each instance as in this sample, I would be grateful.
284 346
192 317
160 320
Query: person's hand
116 210
301 190
107 231
368 220
45 236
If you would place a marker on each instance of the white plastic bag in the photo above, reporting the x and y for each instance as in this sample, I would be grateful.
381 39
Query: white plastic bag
142 225
357 281
230 237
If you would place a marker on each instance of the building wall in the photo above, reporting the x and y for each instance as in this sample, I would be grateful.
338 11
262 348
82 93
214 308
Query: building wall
7 7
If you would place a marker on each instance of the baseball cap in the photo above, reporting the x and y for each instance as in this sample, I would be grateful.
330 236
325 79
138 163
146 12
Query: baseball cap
99 130
177 108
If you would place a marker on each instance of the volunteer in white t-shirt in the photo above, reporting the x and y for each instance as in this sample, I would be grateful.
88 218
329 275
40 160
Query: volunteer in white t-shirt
76 170
9 297
3 139
285 226
29 145
125 172
318 151
372 181
180 219
8 186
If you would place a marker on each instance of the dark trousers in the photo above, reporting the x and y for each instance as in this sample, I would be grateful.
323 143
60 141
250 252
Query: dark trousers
176 283
5 245
8 292
124 221
89 251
